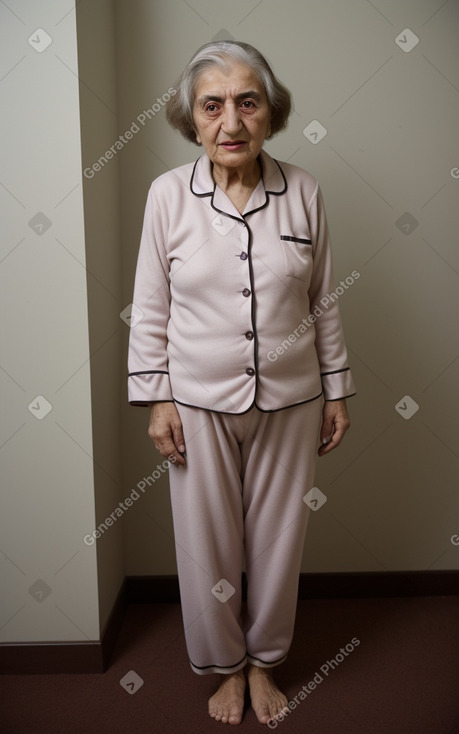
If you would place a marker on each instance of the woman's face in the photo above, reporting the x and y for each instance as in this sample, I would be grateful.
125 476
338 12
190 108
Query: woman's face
231 115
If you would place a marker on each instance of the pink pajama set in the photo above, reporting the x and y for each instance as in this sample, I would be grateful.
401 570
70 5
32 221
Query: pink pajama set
237 322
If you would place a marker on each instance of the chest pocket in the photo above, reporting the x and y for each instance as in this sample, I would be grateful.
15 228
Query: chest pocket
297 252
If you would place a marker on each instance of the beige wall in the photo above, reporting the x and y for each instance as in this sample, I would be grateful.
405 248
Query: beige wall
49 577
391 118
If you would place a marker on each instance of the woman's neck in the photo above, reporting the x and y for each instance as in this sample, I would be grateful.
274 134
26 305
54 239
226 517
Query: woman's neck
240 179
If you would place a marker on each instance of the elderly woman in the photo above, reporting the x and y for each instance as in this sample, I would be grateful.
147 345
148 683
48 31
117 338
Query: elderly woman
240 355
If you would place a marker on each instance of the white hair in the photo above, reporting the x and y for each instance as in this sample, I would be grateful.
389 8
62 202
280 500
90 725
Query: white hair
223 54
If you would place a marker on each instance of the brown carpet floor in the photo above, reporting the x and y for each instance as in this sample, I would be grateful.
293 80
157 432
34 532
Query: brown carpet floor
402 677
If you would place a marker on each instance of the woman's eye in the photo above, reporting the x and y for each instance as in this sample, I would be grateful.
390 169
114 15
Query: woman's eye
247 104
211 108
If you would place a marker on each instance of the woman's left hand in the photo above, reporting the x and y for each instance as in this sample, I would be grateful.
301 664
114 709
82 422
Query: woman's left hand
335 422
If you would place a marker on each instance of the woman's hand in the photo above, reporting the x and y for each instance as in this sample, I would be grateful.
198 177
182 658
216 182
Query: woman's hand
335 422
165 430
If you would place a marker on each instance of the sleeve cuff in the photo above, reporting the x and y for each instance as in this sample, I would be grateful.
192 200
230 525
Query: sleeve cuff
149 387
338 385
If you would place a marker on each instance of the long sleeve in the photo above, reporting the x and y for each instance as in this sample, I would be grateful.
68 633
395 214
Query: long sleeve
337 382
148 379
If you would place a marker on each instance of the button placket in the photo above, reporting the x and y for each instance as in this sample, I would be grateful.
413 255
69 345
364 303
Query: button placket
246 292
244 239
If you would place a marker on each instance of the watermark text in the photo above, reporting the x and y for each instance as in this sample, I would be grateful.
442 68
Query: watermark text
90 171
318 311
123 506
315 681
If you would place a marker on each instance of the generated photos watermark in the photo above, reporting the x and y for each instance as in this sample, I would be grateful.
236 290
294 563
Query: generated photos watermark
90 171
315 681
131 682
318 311
90 538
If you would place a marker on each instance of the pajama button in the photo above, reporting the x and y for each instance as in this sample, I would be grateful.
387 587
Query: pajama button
246 292
249 335
243 256
250 371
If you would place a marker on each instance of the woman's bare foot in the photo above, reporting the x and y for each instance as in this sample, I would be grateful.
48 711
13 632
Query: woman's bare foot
227 704
267 700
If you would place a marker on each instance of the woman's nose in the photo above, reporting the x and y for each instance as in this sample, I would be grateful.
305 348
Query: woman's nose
231 122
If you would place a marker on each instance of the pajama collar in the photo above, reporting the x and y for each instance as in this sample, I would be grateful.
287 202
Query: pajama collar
272 181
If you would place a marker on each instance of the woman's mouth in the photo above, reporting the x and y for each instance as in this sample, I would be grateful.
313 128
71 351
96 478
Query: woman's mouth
233 144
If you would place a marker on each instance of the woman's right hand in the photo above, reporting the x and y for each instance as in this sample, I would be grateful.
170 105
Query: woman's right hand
166 431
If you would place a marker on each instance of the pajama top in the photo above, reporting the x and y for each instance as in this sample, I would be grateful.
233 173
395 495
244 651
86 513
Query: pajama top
232 311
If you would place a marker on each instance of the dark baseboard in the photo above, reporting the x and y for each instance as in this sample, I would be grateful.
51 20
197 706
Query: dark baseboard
364 584
66 657
113 625
94 657
359 584
151 589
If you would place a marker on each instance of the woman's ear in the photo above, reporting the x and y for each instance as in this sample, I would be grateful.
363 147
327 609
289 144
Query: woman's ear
198 139
268 129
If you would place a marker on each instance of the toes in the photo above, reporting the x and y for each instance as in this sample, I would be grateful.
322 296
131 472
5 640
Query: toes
227 704
269 704
235 716
266 714
278 712
215 711
226 717
263 714
218 715
231 714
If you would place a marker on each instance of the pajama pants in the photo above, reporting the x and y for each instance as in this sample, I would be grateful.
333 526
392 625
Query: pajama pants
241 496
